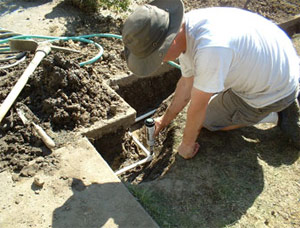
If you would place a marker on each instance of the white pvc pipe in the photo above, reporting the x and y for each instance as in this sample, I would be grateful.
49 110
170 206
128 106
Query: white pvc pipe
147 152
145 115
148 158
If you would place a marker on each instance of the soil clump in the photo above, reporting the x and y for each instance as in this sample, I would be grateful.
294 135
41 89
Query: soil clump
61 96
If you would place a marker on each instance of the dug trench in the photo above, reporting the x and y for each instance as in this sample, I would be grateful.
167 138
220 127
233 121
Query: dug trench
64 98
148 96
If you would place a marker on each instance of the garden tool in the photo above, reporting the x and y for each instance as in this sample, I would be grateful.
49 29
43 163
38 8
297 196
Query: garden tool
41 51
31 45
4 33
8 34
39 130
19 58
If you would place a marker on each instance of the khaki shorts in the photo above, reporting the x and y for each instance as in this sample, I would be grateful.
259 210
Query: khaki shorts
227 109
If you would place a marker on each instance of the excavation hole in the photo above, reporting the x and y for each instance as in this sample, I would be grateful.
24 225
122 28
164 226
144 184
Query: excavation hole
119 149
147 93
110 148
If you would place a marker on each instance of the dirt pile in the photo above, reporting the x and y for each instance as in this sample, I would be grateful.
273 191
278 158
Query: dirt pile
69 96
60 96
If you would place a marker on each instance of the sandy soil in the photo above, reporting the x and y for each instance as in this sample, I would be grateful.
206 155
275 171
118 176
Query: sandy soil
245 178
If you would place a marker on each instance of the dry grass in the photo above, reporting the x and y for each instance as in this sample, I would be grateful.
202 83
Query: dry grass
243 178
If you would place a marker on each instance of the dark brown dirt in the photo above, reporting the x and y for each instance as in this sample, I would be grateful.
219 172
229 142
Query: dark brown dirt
163 155
156 88
276 10
60 96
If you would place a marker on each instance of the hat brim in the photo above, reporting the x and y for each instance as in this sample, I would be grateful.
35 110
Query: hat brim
148 65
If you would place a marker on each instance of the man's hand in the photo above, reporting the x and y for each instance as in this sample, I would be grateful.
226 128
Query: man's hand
188 151
181 98
158 125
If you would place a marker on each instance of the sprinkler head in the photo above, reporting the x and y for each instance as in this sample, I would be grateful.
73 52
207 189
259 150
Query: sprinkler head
150 128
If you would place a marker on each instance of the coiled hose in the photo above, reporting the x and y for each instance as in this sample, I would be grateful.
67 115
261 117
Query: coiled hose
82 38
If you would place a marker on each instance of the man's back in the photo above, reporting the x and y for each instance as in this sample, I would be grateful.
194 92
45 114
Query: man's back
233 48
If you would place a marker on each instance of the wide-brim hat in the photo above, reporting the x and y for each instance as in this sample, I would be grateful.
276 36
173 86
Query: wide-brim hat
149 32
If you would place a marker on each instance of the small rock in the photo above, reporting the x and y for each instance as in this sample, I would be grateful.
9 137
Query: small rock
15 177
14 161
40 159
29 171
64 177
113 109
38 182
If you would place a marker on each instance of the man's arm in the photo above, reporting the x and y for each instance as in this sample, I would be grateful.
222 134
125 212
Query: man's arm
181 97
195 118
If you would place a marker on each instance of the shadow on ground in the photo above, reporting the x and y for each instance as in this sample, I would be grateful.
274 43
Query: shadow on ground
98 205
83 23
83 208
9 6
219 185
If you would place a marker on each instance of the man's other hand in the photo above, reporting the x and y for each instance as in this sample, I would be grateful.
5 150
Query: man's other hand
188 151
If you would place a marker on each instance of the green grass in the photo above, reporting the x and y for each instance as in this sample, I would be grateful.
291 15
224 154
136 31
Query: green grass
156 204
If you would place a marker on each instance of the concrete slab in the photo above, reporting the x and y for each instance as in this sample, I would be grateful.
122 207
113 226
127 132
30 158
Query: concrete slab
83 192
123 119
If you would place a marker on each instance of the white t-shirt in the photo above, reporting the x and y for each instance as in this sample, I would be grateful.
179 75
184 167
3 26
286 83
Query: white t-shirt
237 49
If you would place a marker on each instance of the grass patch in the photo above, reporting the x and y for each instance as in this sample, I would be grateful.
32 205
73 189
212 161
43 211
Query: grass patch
238 179
156 204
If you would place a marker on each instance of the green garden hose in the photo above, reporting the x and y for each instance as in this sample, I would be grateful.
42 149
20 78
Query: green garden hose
82 38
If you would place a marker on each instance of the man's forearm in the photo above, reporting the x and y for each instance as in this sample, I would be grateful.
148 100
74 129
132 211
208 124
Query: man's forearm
174 108
181 98
195 116
194 122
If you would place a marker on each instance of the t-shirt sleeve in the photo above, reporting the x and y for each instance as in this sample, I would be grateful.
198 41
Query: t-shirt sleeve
186 66
212 65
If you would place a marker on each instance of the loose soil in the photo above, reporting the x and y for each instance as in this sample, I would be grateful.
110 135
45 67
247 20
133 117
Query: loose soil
60 96
244 178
